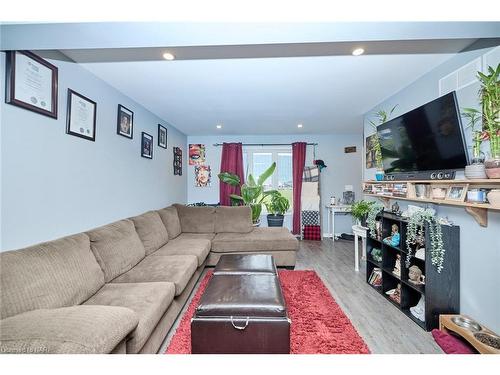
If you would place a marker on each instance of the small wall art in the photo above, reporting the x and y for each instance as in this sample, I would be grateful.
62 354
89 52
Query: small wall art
196 154
202 176
147 146
162 136
177 161
81 116
125 122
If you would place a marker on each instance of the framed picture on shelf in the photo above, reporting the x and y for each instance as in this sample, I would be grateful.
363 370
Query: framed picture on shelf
81 116
125 122
438 191
31 83
147 146
162 136
457 193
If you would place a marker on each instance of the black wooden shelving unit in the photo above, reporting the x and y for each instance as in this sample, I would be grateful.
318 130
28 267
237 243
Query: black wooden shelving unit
441 290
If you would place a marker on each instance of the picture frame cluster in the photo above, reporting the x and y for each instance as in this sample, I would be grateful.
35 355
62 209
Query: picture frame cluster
32 84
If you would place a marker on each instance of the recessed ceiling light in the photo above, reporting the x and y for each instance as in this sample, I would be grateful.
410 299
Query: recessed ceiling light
168 56
358 51
218 126
299 125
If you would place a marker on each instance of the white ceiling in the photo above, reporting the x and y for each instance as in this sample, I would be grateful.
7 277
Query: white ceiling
293 73
266 96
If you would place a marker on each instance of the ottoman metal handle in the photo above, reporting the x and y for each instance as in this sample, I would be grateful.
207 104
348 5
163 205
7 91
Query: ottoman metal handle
238 327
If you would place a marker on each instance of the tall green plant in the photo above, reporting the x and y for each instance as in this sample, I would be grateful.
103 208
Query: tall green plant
474 118
381 116
252 193
489 96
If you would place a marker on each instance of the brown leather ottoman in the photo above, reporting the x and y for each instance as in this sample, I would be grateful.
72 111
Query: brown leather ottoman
241 314
236 264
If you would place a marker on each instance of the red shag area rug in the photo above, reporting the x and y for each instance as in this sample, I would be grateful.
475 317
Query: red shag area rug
319 326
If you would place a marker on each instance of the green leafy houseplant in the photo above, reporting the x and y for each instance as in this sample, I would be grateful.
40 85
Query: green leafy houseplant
490 105
382 116
252 192
277 206
360 210
415 233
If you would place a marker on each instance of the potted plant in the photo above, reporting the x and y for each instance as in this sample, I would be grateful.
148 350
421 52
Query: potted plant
475 169
252 193
489 95
277 206
382 116
360 211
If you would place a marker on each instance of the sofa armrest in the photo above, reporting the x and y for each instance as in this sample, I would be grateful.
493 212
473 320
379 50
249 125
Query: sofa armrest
75 329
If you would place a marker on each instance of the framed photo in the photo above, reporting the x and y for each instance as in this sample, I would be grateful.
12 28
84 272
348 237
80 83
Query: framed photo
125 122
457 192
202 176
437 191
162 136
31 83
81 117
147 146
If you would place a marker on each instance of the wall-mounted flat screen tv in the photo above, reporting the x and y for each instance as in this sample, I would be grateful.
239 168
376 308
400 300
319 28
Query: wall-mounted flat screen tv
427 138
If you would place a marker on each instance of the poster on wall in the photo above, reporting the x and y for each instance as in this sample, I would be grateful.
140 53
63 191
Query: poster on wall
370 151
202 176
196 154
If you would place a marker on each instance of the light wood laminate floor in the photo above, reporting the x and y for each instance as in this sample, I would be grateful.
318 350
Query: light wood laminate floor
383 327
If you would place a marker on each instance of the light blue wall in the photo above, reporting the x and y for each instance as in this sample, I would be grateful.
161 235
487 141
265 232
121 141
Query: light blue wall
479 247
343 169
53 184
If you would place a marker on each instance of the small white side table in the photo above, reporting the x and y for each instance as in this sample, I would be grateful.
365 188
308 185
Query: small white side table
332 210
359 231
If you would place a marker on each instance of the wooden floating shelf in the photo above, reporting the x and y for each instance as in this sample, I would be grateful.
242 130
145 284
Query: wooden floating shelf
479 211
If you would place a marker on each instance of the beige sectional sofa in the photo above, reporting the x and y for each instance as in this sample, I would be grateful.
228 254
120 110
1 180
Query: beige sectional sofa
120 287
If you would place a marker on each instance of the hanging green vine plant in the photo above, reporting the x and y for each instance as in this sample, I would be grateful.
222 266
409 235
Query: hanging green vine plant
371 221
415 233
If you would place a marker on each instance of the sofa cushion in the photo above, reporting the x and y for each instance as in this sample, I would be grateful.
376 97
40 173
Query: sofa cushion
260 239
176 269
117 247
178 246
67 330
52 274
151 231
196 219
197 236
148 300
170 220
233 219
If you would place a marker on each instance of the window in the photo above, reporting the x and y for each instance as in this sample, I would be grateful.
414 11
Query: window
257 160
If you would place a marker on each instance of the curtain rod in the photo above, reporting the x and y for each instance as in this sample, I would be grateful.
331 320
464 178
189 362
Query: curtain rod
267 144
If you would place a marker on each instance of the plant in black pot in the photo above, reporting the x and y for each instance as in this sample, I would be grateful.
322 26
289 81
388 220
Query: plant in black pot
360 210
277 206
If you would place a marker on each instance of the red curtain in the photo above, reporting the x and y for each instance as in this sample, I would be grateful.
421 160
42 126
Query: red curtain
232 162
298 162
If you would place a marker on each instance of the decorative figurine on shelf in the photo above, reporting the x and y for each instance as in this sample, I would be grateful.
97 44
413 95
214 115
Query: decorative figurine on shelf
395 294
378 230
418 311
395 209
394 238
397 266
415 275
376 254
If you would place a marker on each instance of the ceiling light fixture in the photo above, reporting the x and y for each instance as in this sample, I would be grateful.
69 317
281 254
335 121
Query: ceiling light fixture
299 125
358 51
168 56
218 126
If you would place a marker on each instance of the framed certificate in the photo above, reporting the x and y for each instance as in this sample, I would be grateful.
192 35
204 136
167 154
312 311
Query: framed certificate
31 83
81 118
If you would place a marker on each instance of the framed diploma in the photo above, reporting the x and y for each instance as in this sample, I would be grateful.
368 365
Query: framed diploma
81 117
31 83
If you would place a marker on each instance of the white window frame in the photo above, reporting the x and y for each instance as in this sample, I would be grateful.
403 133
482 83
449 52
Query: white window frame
250 150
